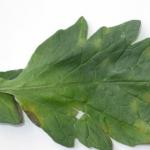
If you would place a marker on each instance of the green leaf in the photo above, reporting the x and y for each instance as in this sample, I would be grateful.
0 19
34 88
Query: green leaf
124 96
89 133
9 109
106 76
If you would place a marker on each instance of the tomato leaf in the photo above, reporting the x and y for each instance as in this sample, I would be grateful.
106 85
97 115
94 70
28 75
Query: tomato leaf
106 77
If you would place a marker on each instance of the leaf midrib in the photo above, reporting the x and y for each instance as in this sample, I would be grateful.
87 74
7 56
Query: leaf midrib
48 85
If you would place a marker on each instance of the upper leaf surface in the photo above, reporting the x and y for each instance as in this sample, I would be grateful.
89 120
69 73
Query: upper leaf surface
89 133
98 76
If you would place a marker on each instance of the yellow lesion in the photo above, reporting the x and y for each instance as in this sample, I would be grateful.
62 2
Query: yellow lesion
97 43
31 111
134 105
142 126
146 96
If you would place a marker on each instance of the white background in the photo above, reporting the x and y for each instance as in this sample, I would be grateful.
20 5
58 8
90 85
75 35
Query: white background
24 24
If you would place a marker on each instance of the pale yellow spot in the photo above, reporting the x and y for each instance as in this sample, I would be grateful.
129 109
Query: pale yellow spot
146 97
97 43
142 126
134 105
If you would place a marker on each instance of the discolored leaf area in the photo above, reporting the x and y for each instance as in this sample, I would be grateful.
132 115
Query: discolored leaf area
10 111
107 77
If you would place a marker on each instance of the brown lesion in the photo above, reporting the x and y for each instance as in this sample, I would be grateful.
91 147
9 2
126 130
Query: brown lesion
33 117
19 110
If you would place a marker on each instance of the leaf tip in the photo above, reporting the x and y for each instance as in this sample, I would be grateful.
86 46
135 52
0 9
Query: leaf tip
82 20
137 22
